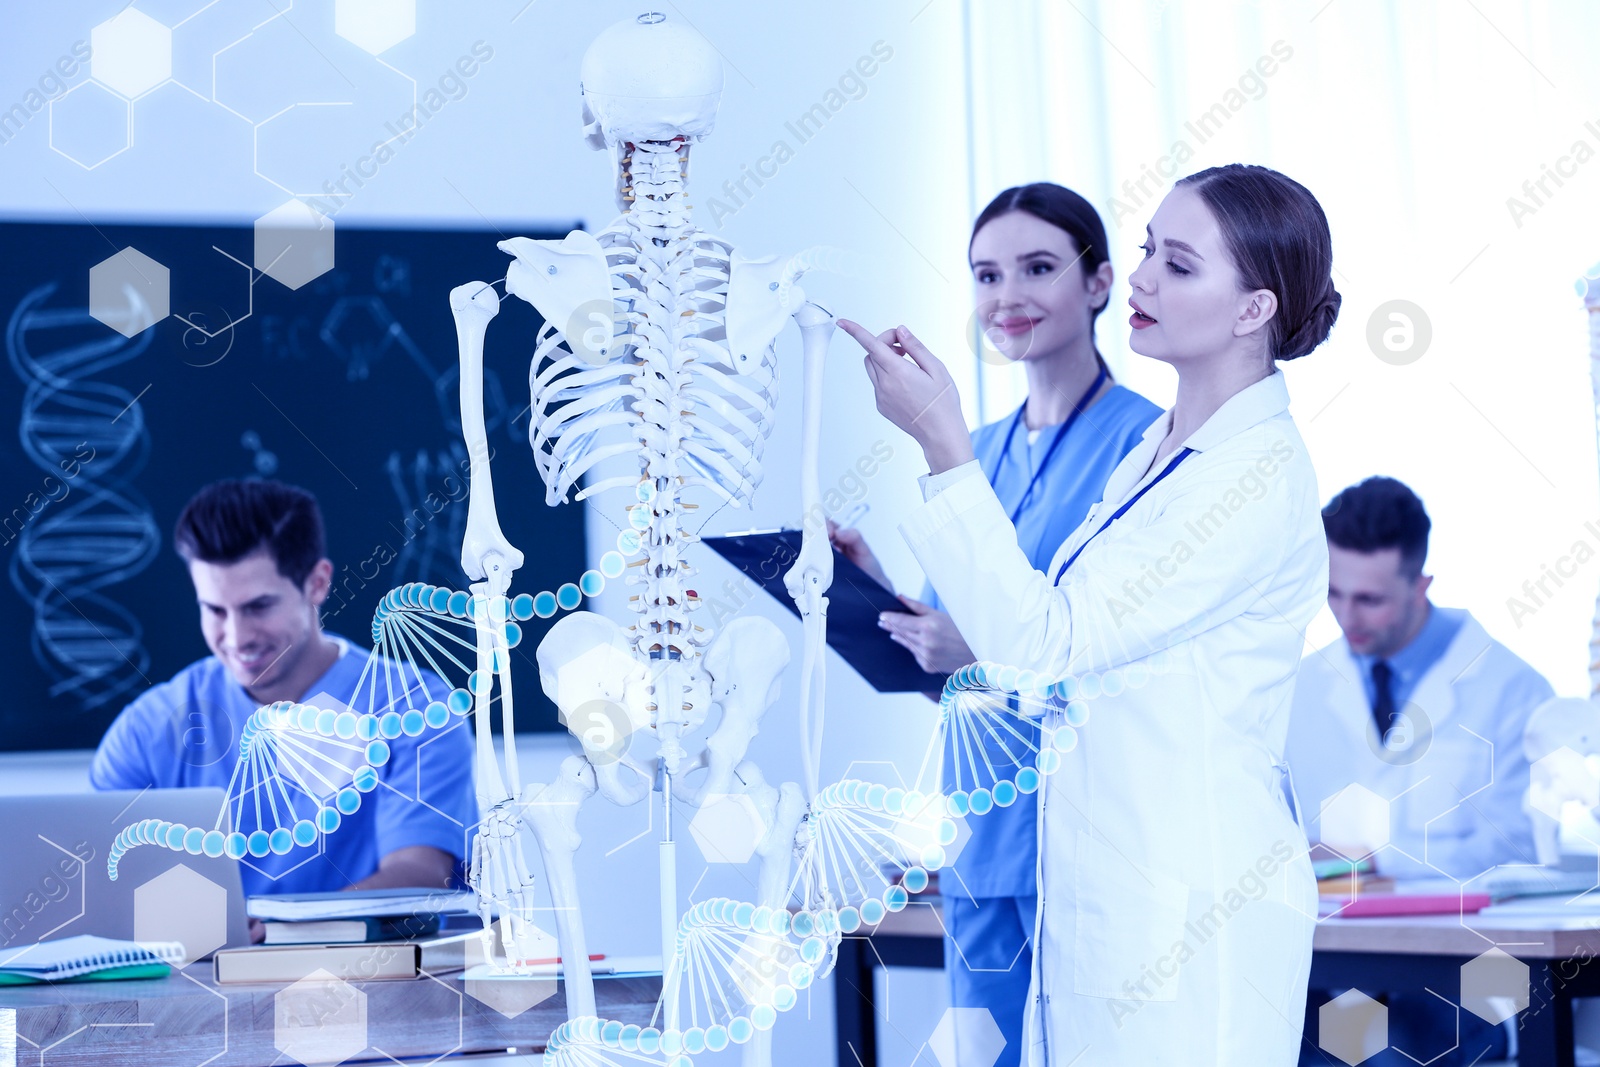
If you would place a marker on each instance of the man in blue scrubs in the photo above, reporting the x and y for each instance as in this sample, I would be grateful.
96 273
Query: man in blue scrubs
255 553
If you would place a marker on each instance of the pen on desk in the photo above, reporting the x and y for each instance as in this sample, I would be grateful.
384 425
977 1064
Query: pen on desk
853 516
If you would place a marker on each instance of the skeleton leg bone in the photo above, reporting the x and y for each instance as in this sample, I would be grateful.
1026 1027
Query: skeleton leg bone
553 814
781 810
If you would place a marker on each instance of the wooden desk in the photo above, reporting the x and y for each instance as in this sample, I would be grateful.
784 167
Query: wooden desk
187 1020
1373 955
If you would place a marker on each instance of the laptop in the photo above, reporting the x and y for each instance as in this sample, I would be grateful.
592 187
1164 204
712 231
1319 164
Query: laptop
54 883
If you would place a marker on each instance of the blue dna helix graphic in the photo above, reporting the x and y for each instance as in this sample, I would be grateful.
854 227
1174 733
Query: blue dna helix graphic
100 532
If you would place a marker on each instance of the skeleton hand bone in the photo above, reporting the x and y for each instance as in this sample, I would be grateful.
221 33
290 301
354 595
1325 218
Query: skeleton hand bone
499 874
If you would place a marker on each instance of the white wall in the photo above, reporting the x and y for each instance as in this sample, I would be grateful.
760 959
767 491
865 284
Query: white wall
883 178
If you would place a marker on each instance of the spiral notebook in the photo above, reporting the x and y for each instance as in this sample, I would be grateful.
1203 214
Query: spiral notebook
87 956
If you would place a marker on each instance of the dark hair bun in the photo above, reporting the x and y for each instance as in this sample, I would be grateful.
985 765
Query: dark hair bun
1313 329
1278 236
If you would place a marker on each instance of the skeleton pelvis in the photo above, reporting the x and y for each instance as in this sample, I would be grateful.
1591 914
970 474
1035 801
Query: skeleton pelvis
607 693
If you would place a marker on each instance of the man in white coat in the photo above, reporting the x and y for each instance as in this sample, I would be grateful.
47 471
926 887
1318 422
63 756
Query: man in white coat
1418 706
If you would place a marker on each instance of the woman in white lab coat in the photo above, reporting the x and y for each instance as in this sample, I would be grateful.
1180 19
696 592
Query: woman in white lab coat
1176 901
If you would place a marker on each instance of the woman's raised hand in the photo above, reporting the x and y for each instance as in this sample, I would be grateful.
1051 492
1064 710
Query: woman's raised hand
916 393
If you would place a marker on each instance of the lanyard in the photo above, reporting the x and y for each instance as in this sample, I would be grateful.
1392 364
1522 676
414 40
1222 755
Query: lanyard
1168 469
1044 464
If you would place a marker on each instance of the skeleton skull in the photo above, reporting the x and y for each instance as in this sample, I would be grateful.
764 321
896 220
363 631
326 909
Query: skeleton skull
648 79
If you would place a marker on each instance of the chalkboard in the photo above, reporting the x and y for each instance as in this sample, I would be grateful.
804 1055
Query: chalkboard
346 386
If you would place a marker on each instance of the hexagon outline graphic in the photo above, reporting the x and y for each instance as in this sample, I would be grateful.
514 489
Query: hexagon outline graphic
437 735
508 994
129 292
255 157
460 1018
1359 1027
294 244
181 904
319 992
851 772
1355 812
83 889
213 991
1493 982
966 1037
1026 946
132 53
127 128
1434 1055
727 827
375 26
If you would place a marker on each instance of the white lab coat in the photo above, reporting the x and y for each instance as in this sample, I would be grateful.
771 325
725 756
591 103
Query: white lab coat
1454 772
1176 902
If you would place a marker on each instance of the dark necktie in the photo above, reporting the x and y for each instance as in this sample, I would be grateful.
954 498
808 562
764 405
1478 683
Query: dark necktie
1383 703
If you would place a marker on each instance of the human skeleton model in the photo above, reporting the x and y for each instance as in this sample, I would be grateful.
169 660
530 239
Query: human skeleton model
1562 736
656 354
657 351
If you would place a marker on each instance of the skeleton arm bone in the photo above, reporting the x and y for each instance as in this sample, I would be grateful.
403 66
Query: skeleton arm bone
812 572
487 557
485 552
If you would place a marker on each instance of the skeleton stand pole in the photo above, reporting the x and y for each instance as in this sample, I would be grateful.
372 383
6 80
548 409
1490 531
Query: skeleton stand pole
669 890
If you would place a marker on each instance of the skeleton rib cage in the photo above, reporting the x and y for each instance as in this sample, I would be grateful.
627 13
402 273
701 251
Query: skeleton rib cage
652 376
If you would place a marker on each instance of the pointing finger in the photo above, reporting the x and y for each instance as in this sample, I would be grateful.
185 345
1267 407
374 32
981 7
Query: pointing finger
916 349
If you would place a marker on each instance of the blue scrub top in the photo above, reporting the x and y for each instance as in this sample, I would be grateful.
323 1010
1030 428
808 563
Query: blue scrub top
1001 858
184 733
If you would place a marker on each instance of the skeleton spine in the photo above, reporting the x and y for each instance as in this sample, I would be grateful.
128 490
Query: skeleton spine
653 177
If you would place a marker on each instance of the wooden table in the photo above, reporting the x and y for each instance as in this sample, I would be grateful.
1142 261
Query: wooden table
187 1020
1373 955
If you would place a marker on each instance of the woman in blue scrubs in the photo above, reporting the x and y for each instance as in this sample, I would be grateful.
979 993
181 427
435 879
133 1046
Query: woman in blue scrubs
1042 276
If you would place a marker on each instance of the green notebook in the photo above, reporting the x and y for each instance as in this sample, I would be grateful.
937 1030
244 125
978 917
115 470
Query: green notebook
89 958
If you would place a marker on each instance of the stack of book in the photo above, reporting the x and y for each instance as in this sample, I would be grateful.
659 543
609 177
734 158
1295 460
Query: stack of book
359 936
355 962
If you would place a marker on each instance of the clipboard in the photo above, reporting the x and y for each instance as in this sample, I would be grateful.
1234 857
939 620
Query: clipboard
854 602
